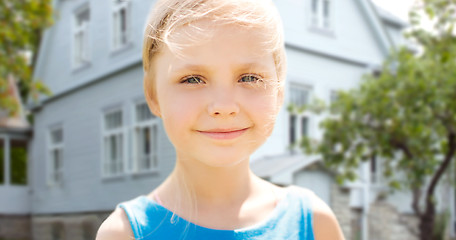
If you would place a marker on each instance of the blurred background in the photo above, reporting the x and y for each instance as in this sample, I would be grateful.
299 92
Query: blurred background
369 121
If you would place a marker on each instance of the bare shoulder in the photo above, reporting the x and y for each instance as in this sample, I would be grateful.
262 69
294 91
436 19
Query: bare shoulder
116 227
325 224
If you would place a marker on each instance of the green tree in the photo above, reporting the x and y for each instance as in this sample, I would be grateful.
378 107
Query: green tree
405 116
21 25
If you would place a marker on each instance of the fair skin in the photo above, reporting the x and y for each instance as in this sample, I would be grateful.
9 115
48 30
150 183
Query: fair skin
218 101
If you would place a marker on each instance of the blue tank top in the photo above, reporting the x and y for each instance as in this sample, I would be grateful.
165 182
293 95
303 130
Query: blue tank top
291 219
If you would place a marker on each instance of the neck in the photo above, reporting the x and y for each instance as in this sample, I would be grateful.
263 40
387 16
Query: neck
214 186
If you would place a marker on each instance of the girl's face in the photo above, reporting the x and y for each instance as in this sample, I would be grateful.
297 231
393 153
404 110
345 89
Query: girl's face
218 98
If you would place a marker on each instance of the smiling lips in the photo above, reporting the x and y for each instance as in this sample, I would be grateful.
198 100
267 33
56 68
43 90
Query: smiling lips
224 134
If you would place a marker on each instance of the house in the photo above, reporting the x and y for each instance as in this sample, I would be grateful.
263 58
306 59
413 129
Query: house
95 143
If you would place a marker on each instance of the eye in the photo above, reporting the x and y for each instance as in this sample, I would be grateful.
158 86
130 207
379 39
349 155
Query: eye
249 78
192 80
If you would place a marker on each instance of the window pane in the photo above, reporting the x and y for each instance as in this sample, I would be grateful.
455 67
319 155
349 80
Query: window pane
145 150
18 156
83 17
56 164
146 141
326 8
113 148
315 6
57 136
154 145
327 14
113 120
314 15
2 161
143 113
292 129
299 96
119 154
123 25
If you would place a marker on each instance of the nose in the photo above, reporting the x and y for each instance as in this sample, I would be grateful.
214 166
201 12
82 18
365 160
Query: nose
223 104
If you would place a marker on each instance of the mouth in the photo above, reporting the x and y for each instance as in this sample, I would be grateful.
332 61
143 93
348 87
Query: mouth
224 134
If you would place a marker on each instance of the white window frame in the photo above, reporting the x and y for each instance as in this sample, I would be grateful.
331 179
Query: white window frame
81 54
299 116
54 175
106 166
318 18
116 30
139 125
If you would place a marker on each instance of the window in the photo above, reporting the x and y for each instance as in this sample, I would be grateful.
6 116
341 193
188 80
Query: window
333 96
145 139
18 158
55 164
13 161
121 24
81 37
113 144
321 14
299 95
298 122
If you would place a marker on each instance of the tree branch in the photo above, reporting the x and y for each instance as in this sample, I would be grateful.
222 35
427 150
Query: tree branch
402 146
435 179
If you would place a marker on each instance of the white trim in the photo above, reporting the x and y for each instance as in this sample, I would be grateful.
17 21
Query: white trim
116 39
51 172
120 133
298 127
84 31
317 20
140 125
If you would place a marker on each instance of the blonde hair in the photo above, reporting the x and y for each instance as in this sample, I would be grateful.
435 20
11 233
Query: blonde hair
169 15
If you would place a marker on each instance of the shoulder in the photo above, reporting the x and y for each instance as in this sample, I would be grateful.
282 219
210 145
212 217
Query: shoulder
115 227
325 224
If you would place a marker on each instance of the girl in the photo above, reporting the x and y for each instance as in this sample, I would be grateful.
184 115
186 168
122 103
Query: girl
214 72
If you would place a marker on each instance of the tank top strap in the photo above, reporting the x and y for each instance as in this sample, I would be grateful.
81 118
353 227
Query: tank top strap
302 199
144 215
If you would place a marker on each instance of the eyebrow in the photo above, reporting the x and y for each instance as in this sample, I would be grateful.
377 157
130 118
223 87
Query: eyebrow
207 68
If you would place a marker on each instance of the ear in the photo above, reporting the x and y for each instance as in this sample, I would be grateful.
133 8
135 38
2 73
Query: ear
150 95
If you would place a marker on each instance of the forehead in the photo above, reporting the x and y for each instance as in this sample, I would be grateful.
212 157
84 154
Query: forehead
229 43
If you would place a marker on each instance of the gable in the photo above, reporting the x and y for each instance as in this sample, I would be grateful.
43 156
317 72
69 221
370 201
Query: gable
357 34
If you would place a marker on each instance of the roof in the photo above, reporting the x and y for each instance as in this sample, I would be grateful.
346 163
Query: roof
270 166
390 18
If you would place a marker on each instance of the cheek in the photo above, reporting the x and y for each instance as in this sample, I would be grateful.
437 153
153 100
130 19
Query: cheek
178 110
263 109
